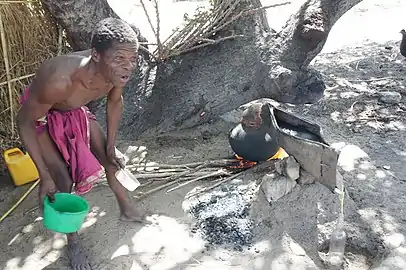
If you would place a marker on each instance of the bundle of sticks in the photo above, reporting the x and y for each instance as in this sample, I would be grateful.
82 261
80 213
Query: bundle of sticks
173 177
200 30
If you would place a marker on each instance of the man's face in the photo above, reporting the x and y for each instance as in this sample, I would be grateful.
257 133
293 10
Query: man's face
117 63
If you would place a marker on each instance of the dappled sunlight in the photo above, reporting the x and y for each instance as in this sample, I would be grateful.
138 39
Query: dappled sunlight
361 176
365 87
335 116
44 252
91 217
349 156
380 174
122 250
165 244
34 246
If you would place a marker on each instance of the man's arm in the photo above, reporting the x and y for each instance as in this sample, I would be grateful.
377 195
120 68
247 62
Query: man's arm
44 93
114 111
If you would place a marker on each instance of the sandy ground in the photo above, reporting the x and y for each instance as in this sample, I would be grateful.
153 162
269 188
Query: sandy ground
291 233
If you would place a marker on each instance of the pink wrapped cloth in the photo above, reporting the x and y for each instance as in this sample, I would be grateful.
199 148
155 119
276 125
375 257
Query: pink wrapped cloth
71 134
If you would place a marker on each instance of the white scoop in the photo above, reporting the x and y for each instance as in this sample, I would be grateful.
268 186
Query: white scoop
127 179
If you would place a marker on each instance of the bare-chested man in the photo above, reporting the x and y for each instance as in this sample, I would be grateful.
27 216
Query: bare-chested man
56 98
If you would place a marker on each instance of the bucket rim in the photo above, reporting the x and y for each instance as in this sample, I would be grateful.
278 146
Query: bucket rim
65 194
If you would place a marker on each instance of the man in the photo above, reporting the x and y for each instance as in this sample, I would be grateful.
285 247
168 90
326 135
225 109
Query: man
63 138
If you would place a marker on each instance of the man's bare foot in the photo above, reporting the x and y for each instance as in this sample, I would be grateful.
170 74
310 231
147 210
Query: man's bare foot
77 254
132 215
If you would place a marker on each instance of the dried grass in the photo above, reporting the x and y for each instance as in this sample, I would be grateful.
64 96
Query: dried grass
30 35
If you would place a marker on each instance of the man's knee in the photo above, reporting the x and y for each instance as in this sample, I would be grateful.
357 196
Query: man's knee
50 151
55 162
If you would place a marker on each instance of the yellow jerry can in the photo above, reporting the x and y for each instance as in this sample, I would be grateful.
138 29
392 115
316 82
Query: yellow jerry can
21 167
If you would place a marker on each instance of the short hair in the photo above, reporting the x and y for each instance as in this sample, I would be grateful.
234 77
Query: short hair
110 30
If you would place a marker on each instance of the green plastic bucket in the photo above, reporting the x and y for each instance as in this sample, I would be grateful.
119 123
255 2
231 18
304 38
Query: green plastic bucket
66 214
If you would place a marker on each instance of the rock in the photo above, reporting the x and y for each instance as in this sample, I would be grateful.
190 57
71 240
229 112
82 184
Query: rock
390 97
394 240
288 167
349 156
136 153
305 178
297 249
276 186
279 166
292 168
395 260
381 83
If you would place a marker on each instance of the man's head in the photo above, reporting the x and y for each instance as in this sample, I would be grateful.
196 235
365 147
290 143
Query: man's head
114 50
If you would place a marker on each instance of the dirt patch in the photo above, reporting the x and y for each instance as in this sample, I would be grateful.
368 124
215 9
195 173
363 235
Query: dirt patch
223 218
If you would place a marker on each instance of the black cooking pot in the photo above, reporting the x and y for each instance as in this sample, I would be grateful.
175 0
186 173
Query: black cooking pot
254 142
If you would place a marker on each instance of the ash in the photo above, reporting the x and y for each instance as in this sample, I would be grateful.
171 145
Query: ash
223 219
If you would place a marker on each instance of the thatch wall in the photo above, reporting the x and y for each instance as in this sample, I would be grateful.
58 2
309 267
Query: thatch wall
28 36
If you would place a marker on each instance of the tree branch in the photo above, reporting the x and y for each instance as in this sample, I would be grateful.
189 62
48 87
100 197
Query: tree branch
305 34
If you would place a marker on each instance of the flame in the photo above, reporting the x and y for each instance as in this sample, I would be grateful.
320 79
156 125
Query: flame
281 154
242 163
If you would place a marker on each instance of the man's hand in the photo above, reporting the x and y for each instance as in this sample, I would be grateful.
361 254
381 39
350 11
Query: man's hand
47 188
111 155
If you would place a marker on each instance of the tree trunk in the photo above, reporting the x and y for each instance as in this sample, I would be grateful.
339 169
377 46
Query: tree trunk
195 88
78 18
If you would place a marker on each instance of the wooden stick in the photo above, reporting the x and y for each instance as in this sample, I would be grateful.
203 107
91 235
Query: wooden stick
165 175
150 22
6 63
158 29
244 12
187 165
156 170
12 67
216 173
14 2
227 179
176 170
60 33
170 181
143 49
205 44
17 79
218 162
145 194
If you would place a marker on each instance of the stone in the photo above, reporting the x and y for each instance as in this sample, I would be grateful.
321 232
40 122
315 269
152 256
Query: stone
297 249
288 167
349 156
394 240
276 186
305 178
390 97
136 154
381 83
292 168
279 166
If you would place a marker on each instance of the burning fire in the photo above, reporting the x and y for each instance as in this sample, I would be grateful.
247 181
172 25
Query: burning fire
281 154
242 164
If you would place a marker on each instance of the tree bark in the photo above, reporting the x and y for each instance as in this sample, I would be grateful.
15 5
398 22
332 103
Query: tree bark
195 88
78 18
